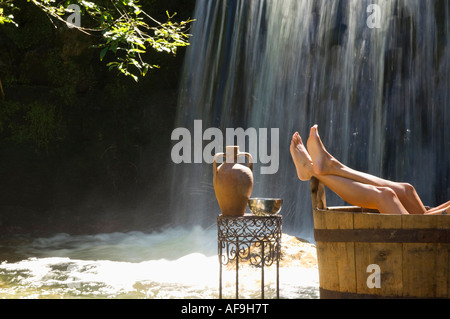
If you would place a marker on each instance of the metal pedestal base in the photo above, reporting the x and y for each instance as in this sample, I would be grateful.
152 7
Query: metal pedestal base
253 238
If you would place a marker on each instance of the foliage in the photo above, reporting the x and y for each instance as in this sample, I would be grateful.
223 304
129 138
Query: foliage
124 29
74 137
6 8
38 123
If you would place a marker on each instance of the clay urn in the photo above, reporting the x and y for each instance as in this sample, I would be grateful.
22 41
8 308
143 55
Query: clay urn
233 182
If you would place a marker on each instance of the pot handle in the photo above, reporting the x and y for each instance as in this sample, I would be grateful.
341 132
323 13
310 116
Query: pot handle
215 163
249 158
248 155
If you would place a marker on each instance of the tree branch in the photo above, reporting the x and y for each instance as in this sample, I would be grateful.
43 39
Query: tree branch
1 90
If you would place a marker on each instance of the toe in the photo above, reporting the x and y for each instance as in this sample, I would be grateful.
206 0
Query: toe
298 138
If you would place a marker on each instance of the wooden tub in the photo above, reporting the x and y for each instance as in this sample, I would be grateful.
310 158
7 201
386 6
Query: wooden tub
364 254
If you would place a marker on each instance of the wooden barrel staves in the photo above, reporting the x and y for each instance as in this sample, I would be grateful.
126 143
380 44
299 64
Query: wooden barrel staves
364 254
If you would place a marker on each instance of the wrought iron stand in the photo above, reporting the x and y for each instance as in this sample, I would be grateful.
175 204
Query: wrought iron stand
239 236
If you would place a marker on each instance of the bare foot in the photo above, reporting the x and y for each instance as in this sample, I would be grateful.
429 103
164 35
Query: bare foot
301 158
324 163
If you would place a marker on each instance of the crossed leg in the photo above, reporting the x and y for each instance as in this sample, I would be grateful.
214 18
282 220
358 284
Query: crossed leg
328 165
356 188
444 208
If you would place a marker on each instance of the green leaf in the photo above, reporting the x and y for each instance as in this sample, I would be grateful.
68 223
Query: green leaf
103 53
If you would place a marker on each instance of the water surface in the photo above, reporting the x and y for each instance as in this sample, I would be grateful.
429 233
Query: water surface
172 264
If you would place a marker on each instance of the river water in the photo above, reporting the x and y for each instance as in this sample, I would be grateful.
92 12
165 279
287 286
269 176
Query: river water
170 264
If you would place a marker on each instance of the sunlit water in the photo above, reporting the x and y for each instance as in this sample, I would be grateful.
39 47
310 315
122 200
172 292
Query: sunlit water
176 263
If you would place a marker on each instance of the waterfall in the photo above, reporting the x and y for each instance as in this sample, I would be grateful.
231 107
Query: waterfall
375 79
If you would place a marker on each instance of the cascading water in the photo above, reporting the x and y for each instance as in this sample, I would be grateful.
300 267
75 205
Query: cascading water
375 79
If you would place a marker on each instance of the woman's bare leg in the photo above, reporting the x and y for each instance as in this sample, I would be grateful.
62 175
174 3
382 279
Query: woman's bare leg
355 193
439 210
326 164
383 199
